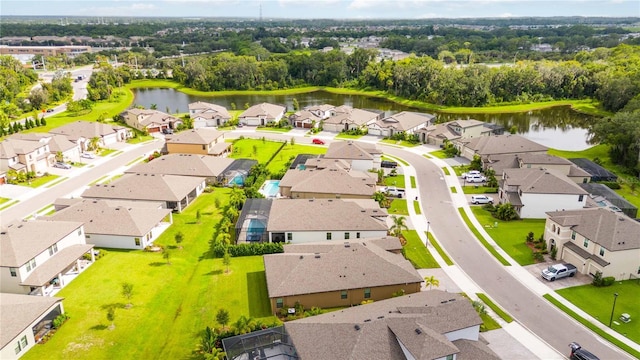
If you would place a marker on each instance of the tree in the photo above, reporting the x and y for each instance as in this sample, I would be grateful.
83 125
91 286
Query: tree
506 212
59 156
431 281
226 261
296 106
399 224
198 216
222 317
208 341
94 144
179 237
476 163
622 133
127 292
167 256
111 316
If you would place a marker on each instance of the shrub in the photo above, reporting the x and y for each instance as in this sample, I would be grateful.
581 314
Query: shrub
611 185
597 279
489 207
608 281
247 249
538 256
59 320
554 252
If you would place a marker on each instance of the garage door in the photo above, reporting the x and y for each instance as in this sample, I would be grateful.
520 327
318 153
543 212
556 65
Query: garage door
307 125
374 131
153 130
298 124
571 257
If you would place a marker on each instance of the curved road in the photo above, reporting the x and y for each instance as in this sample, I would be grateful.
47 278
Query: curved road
533 312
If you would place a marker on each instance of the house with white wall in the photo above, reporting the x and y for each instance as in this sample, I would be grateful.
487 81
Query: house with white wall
81 133
596 240
206 114
344 118
534 192
361 156
40 257
150 120
497 145
262 114
25 155
405 122
499 163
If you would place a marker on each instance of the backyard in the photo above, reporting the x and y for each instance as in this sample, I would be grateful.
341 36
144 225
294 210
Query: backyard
260 150
172 303
282 157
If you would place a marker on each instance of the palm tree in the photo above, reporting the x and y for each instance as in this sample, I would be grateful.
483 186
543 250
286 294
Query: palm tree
399 224
94 144
431 281
208 341
243 325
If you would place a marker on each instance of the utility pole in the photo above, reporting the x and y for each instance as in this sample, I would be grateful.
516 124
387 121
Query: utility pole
260 11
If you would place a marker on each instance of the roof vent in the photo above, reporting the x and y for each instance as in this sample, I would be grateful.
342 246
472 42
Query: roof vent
418 331
357 327
346 244
443 302
301 257
381 317
317 255
450 300
367 320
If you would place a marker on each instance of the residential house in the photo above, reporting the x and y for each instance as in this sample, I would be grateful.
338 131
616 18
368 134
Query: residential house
305 119
209 167
486 146
150 120
345 118
25 156
175 192
332 182
82 133
322 111
41 257
198 141
422 326
535 161
58 144
596 239
205 114
361 156
25 319
438 134
311 220
405 122
329 275
600 195
533 192
262 114
138 224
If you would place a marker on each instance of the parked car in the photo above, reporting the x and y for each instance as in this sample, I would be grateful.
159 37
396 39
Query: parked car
559 271
62 165
49 110
167 131
476 179
88 156
481 199
578 353
388 164
317 141
394 191
471 173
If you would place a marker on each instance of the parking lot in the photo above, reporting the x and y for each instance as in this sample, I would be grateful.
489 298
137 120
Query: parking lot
577 280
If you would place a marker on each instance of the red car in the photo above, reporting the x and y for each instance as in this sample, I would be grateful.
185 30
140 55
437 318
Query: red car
317 141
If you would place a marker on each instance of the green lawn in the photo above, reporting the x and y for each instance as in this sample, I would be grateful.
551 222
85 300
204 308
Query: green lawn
140 139
416 207
446 170
288 151
472 189
398 207
413 182
39 181
272 129
438 248
172 303
4 200
393 158
106 152
453 190
510 235
498 310
56 182
440 154
415 251
481 238
598 303
9 204
403 143
348 136
397 181
255 149
459 169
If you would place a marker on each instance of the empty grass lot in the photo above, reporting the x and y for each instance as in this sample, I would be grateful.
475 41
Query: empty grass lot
281 158
398 207
415 251
598 302
172 303
255 149
510 235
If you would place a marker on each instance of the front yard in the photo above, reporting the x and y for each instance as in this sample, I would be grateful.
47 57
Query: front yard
172 303
415 251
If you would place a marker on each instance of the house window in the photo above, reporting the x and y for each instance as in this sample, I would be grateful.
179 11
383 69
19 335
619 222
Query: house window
279 303
13 272
23 342
18 348
573 235
343 294
137 241
601 251
31 264
204 147
289 236
79 232
558 230
586 242
580 198
346 236
53 249
328 236
367 293
357 235
553 228
450 357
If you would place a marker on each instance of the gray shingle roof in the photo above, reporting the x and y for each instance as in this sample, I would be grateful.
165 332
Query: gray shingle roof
348 115
271 111
321 215
503 144
200 136
340 268
209 110
84 129
151 116
329 181
541 181
22 241
18 312
146 187
56 265
347 150
405 120
184 165
611 230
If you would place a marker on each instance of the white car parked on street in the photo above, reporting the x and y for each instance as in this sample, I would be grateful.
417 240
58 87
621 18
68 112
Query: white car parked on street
476 179
481 199
470 174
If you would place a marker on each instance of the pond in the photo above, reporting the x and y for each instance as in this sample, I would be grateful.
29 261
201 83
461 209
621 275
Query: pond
557 127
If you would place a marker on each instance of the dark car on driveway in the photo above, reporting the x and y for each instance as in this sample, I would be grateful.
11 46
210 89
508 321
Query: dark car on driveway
578 353
389 164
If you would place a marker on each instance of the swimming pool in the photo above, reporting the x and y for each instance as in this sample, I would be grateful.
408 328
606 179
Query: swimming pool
237 180
270 188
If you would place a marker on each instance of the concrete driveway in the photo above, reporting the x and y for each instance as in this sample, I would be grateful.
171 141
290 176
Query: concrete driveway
577 280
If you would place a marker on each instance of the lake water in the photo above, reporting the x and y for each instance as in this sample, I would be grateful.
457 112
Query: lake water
558 127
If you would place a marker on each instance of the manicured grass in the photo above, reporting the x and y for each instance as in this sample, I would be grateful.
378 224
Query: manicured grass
255 149
488 323
399 143
106 152
472 189
415 251
440 154
140 139
39 181
98 180
632 196
116 153
398 207
453 190
498 310
282 157
598 302
172 303
56 182
413 182
4 200
436 246
459 169
397 181
348 136
446 170
135 160
9 204
272 129
592 327
510 235
481 238
416 207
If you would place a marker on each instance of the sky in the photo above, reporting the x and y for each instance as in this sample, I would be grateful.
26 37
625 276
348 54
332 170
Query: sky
324 9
